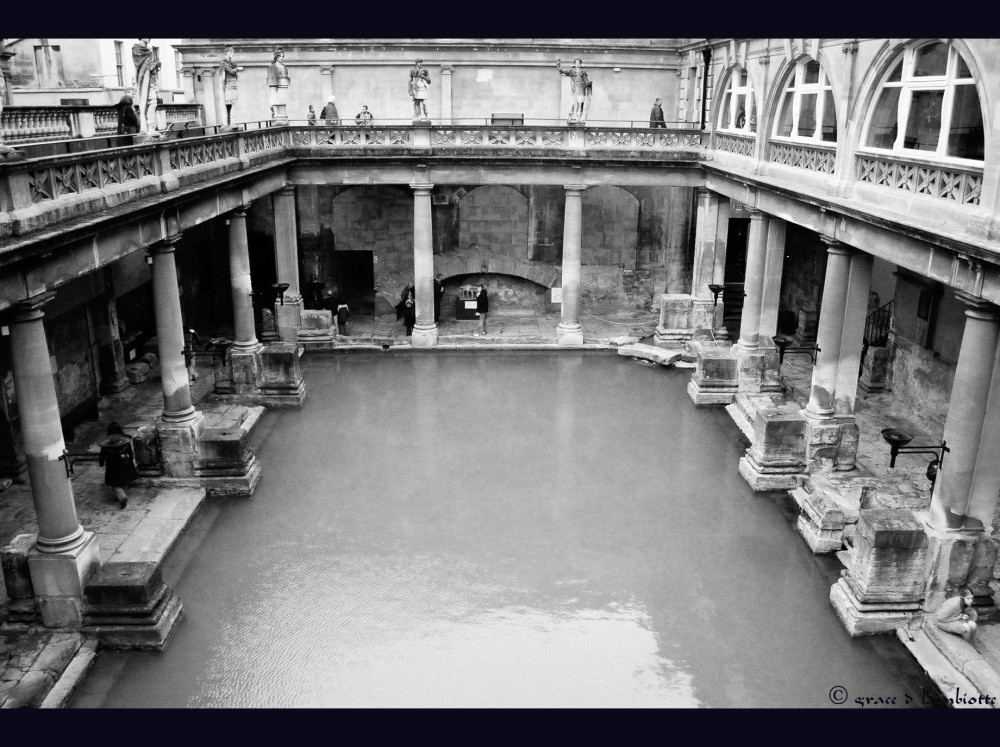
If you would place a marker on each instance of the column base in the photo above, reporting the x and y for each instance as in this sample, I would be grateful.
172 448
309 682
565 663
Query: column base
960 559
569 334
424 337
707 396
766 478
714 381
821 521
862 619
179 444
58 582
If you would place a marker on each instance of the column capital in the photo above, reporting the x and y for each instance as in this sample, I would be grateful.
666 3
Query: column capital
978 308
287 191
30 309
240 211
756 214
187 72
326 70
447 69
165 246
207 71
575 188
703 192
421 189
835 246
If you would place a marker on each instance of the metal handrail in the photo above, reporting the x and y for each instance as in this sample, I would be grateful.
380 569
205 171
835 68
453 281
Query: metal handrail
488 122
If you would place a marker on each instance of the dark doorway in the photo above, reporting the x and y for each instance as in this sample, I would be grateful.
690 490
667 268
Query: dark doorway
736 270
354 274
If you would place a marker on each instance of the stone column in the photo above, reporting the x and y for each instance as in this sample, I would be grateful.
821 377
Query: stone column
446 71
704 243
986 478
64 555
245 355
753 284
771 291
177 407
425 331
569 331
963 427
326 75
209 97
187 84
286 257
852 339
831 331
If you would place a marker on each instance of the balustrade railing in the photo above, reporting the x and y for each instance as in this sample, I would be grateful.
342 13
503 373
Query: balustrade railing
39 124
741 145
960 184
814 158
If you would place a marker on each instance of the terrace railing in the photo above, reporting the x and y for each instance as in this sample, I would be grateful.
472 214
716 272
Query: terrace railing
37 124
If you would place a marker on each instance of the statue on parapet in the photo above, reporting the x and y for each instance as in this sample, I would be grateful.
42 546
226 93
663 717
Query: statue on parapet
147 84
230 82
277 83
581 89
956 615
420 78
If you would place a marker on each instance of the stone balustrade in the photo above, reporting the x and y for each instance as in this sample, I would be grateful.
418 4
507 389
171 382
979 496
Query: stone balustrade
961 184
37 124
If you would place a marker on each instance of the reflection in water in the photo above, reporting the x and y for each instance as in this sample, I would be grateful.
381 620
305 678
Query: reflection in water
501 530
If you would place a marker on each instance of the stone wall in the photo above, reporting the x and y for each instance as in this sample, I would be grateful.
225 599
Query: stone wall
69 337
495 218
610 226
918 376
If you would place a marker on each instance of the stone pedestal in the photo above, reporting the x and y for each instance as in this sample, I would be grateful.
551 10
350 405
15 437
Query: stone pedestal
830 505
130 607
956 560
805 333
281 382
58 581
317 330
831 444
883 585
875 370
178 443
682 315
715 377
288 319
244 370
775 459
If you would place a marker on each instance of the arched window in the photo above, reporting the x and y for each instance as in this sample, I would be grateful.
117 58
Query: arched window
738 111
930 90
806 110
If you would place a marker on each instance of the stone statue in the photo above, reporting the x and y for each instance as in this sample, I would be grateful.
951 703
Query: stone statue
230 82
581 89
956 615
147 83
420 78
277 82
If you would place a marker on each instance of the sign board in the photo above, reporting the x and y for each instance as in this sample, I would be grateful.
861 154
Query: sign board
556 295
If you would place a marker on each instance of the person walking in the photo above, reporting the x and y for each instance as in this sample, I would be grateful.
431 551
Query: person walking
329 113
438 295
118 461
482 309
409 314
656 115
128 120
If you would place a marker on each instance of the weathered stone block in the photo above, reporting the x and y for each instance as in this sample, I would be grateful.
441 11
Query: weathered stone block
675 311
16 574
124 583
650 353
889 557
137 372
716 367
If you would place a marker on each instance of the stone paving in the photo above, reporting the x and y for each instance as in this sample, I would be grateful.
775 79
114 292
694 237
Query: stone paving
155 518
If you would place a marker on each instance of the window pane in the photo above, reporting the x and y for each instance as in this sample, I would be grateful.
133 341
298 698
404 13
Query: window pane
807 115
896 75
923 128
743 77
741 112
785 120
965 139
811 72
882 130
829 119
932 59
962 70
724 111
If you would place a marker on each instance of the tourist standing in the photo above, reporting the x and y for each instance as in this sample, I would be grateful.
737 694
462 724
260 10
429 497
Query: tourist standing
329 113
118 461
656 115
409 314
482 309
311 116
364 117
438 295
128 121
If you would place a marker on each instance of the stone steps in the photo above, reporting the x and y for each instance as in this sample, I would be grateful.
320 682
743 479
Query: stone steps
948 679
42 668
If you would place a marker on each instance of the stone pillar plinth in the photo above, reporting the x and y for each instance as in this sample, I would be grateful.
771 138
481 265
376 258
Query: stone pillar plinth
110 351
569 331
960 559
753 284
63 555
318 330
177 407
882 588
446 71
805 332
425 331
776 456
831 444
831 331
963 428
288 315
281 383
715 379
875 371
771 289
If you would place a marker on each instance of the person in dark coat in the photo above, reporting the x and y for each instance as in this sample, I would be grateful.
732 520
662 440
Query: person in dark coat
656 115
401 306
409 313
118 461
438 295
482 308
329 113
128 120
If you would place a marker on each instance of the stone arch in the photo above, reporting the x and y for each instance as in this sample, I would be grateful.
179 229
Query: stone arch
610 226
495 218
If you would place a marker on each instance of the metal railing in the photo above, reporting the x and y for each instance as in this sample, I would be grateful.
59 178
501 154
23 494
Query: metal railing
877 325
